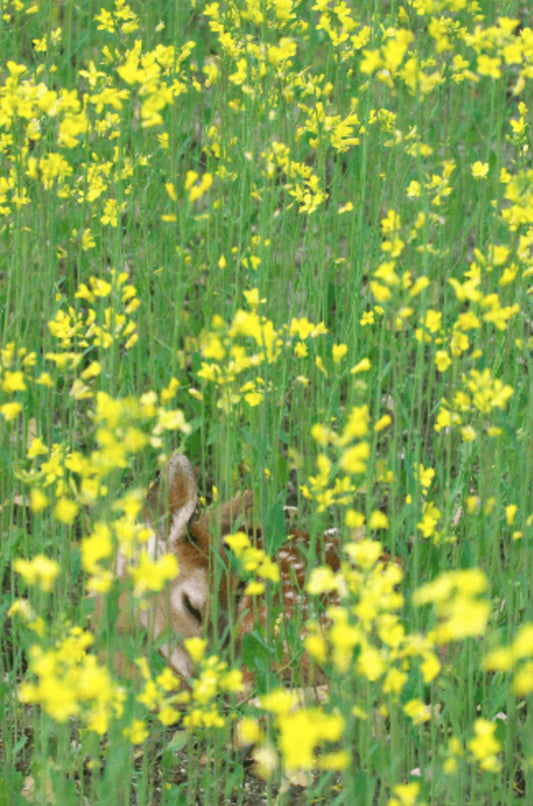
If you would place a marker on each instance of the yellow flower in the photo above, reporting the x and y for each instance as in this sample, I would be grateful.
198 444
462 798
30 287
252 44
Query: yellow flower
484 745
196 648
279 701
523 679
353 460
426 476
367 318
168 715
41 570
13 381
137 732
523 642
171 191
321 434
66 510
382 423
252 296
418 711
362 366
430 667
38 500
44 379
151 575
173 420
370 663
489 66
197 190
232 681
357 425
407 794
378 520
254 398
301 327
248 732
364 553
96 547
302 732
371 61
461 613
442 360
37 448
354 519
322 580
430 517
510 512
345 208
105 21
468 433
480 170
149 696
92 371
471 581
10 411
344 638
237 542
338 352
381 293
317 647
254 588
394 682
320 365
269 570
167 680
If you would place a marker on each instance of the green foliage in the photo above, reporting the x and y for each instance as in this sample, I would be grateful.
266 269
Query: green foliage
294 241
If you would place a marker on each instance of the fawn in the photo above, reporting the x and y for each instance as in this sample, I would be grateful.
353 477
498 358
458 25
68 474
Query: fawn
185 607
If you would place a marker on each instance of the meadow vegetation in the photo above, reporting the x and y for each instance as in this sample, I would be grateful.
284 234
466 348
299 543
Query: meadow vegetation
295 241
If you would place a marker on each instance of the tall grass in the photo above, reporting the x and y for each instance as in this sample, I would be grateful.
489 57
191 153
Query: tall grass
293 241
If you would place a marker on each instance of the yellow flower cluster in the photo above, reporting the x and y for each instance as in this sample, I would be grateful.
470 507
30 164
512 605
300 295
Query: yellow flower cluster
79 336
73 683
329 486
516 658
485 746
123 427
480 393
232 354
41 571
255 564
99 328
213 677
460 608
301 732
365 635
159 694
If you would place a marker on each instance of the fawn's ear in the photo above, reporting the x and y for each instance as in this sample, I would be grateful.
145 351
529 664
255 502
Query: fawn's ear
237 514
176 499
182 496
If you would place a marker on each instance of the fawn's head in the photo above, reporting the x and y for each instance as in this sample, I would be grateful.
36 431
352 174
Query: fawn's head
183 609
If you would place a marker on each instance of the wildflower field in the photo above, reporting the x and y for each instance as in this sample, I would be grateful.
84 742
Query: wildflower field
293 240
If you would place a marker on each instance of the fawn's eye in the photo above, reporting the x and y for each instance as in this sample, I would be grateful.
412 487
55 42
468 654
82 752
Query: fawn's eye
191 609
